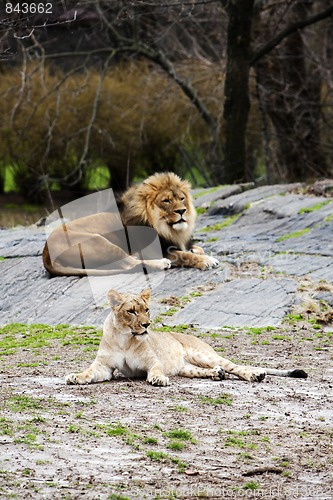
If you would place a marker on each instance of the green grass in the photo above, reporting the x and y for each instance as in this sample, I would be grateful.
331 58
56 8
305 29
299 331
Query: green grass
6 427
223 399
175 445
280 337
314 208
234 441
182 434
161 456
116 430
220 225
175 328
206 191
21 403
178 438
251 485
293 318
245 456
20 336
150 440
114 496
157 455
179 408
295 234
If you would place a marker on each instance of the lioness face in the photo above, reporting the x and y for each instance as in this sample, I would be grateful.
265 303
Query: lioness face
170 207
131 312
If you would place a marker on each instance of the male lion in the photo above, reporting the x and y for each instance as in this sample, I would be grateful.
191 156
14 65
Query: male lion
131 347
93 245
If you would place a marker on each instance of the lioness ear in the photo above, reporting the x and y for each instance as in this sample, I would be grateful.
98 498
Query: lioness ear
145 294
114 298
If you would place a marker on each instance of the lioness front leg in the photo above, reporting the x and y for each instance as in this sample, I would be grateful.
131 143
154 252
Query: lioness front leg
156 376
96 372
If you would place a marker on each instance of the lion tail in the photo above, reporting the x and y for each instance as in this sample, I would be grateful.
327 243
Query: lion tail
297 373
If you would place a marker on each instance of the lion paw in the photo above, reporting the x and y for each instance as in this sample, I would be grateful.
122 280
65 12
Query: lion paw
160 380
211 262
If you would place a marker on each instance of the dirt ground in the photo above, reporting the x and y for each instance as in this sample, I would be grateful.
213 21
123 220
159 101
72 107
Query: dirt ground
192 439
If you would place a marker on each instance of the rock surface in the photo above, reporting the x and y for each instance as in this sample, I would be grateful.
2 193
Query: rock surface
278 237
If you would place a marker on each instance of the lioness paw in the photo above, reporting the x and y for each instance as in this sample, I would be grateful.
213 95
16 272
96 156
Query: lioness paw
257 375
73 379
166 263
211 262
160 380
158 264
218 373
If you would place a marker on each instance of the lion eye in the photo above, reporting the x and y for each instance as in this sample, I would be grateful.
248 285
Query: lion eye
131 311
182 199
166 201
147 310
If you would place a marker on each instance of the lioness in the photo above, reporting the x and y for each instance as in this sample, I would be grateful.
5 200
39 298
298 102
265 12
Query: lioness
131 347
91 245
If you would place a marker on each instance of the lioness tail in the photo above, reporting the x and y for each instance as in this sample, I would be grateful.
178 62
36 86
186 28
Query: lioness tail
288 373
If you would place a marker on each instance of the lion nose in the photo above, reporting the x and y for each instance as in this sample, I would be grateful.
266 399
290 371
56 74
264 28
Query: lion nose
180 211
145 325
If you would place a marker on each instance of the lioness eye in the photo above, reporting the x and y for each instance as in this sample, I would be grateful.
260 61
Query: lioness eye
131 311
147 310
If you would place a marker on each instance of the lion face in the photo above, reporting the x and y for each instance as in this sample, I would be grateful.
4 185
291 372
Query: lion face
170 207
163 201
131 312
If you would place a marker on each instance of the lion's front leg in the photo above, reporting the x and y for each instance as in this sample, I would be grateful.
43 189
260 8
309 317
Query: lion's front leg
198 250
97 372
182 258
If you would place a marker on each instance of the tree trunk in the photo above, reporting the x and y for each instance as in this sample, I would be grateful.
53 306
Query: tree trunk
236 89
291 90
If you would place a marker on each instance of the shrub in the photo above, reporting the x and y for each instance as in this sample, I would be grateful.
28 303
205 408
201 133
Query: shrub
56 127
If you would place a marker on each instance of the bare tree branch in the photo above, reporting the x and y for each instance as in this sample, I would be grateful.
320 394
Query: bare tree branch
288 31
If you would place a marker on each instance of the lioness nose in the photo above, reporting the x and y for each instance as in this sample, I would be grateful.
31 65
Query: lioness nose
180 211
145 325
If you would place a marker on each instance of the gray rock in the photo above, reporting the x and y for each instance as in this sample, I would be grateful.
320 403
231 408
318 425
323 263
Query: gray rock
237 203
240 302
264 234
324 296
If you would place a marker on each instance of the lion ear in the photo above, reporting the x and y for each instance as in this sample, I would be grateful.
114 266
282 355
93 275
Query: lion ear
145 294
150 184
114 298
